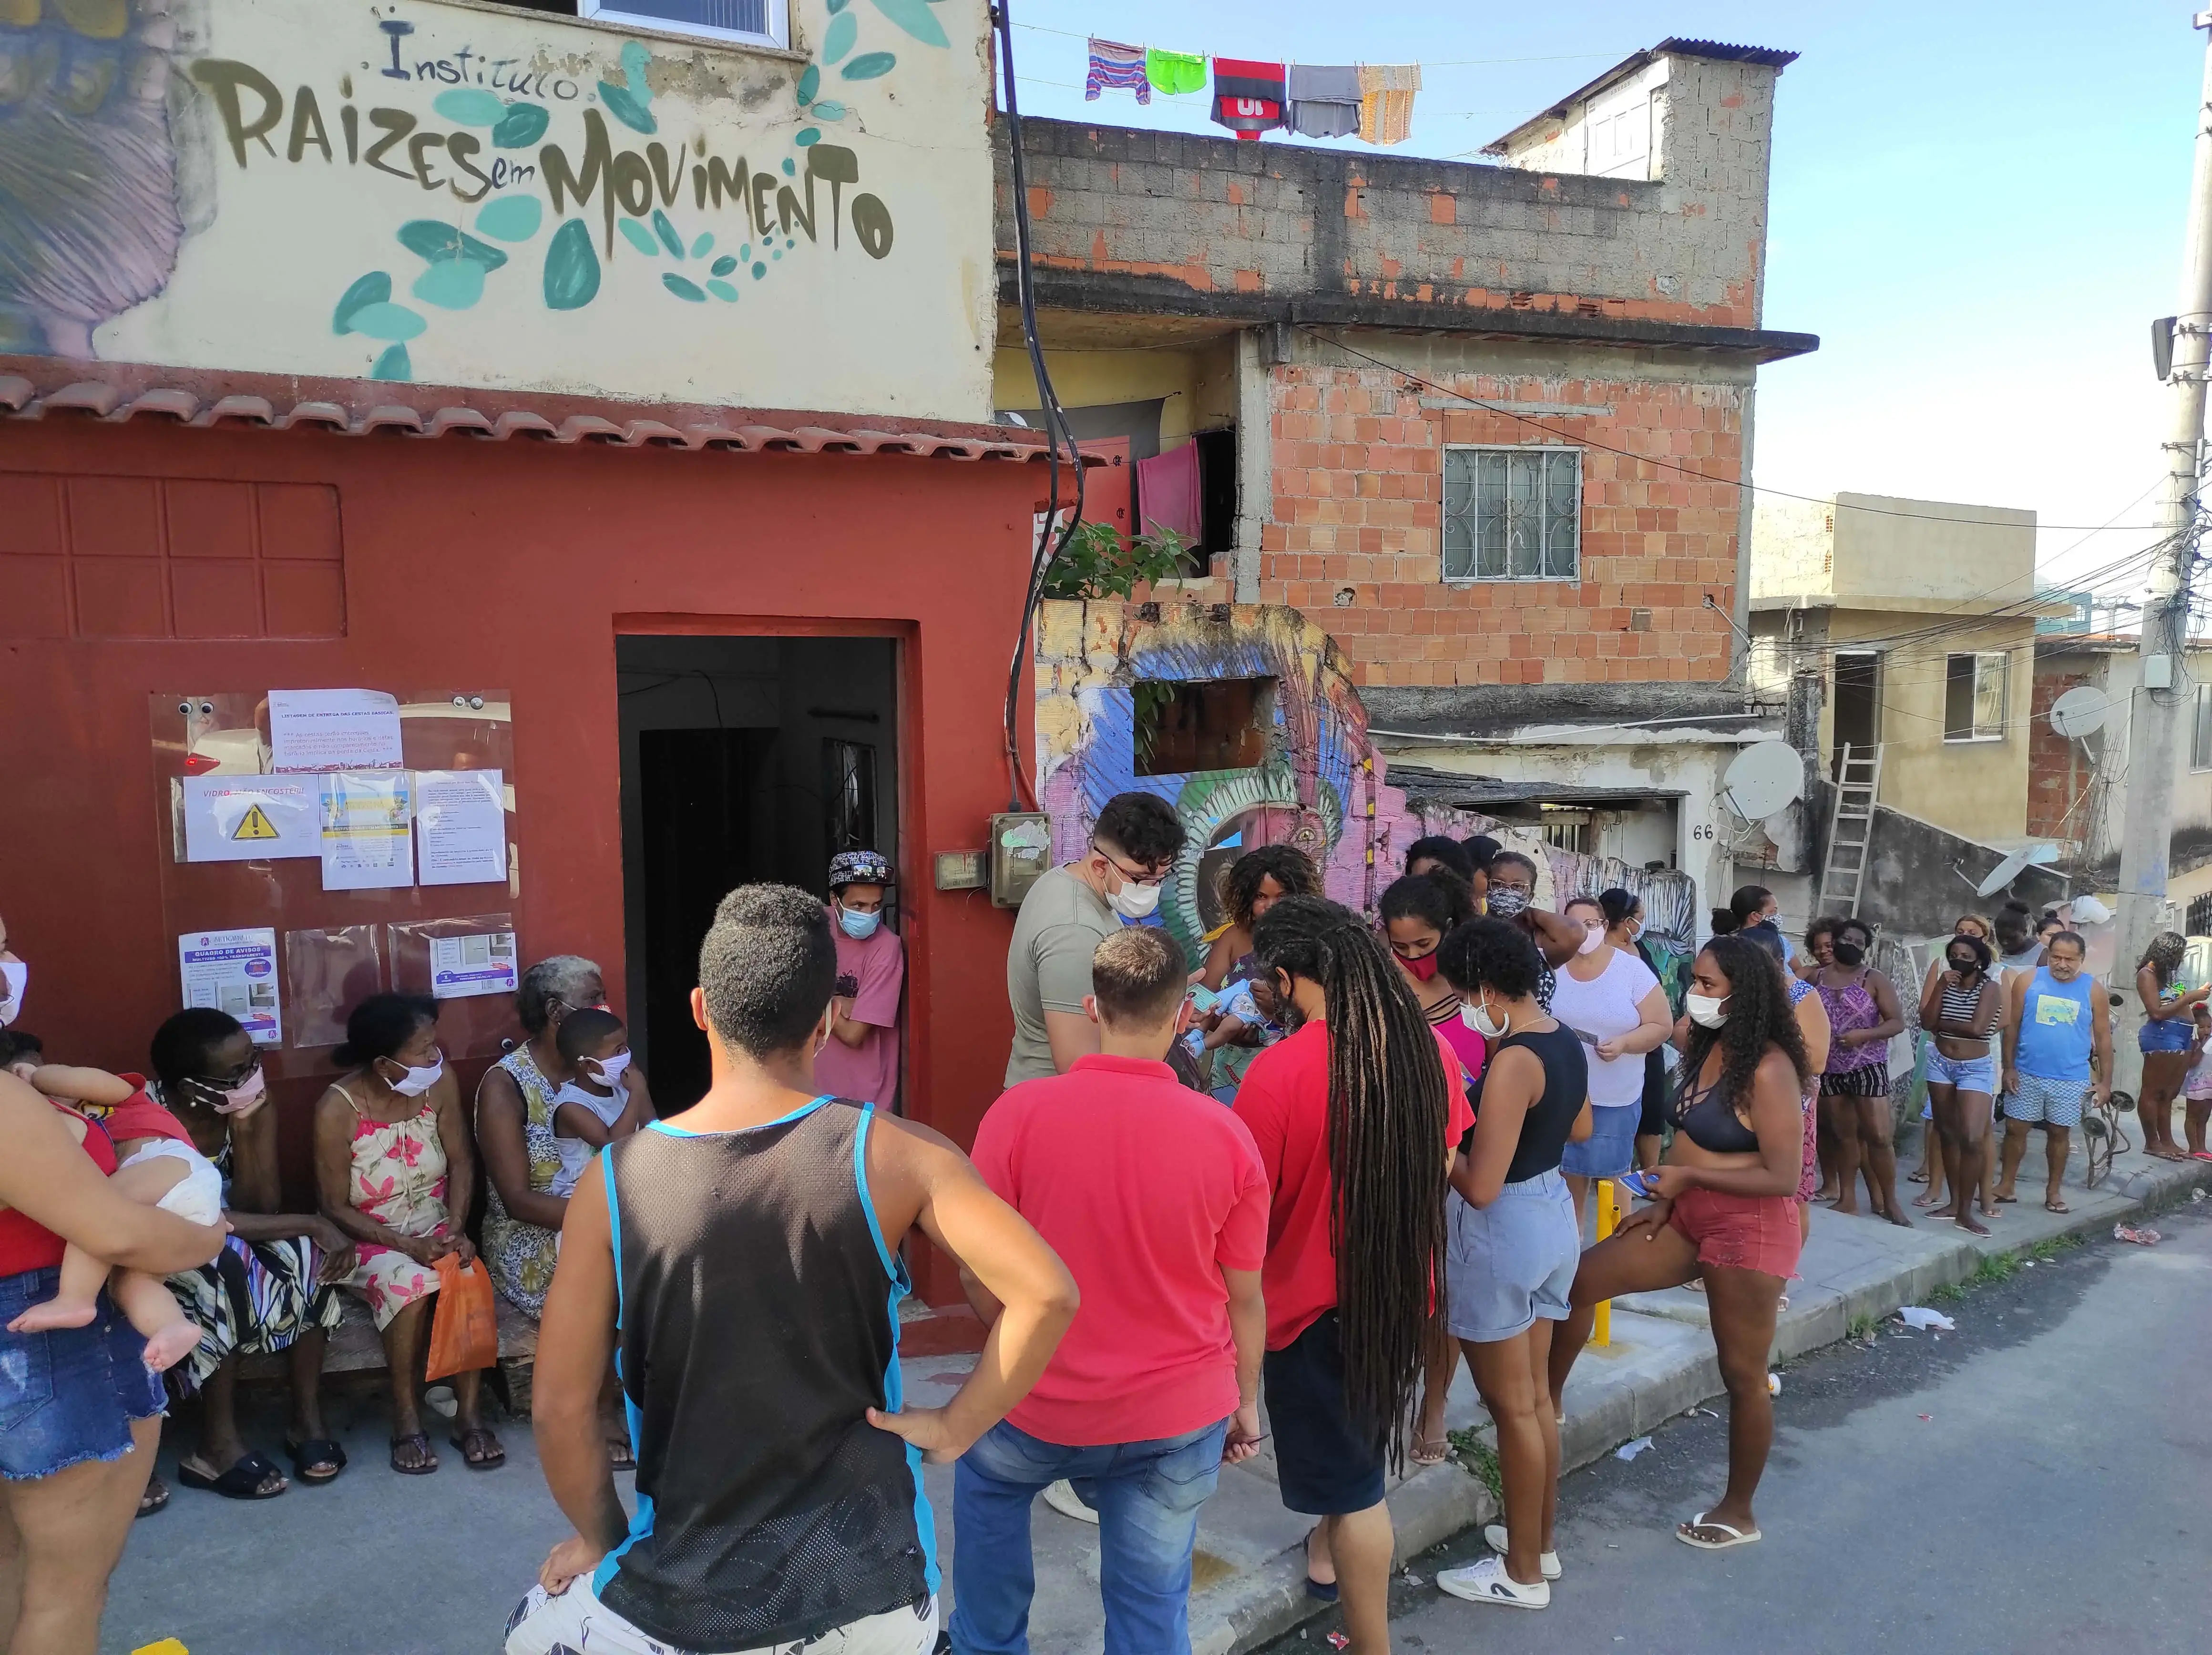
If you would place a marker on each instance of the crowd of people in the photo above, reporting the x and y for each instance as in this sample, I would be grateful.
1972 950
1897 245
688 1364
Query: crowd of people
1383 1137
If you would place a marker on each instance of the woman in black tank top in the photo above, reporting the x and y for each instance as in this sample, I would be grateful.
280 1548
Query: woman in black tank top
1511 1243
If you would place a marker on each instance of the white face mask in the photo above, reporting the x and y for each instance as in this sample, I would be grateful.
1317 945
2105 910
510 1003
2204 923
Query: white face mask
1705 1009
1592 942
416 1081
14 976
1476 1015
1135 901
610 1068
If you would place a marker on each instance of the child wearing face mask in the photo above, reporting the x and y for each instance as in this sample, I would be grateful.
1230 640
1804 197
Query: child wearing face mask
155 1164
588 1109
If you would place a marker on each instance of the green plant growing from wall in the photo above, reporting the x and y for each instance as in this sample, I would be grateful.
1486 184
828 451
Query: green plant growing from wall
1099 564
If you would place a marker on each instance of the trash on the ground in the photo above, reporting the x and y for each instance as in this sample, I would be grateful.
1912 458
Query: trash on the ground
442 1399
2142 1237
1920 1319
1631 1450
2027 1264
2198 1194
1411 1579
1694 1412
1338 1640
171 1646
1773 1384
1927 1419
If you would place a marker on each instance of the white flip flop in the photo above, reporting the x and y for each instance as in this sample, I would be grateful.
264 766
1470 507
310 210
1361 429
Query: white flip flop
1736 1536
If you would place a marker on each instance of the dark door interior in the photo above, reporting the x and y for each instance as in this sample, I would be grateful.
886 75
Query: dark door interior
1858 705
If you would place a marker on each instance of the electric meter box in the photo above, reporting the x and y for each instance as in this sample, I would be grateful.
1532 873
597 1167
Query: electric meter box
1021 850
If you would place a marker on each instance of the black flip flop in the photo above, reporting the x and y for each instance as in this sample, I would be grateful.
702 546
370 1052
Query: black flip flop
155 1499
316 1450
241 1481
489 1455
414 1440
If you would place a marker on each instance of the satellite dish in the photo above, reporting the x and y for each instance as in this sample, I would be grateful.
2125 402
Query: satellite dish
2016 862
2080 713
1763 778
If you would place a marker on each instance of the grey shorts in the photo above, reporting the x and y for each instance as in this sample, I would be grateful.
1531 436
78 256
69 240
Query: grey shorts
1511 1263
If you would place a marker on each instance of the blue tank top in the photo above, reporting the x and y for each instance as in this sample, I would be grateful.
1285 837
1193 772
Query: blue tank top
2056 1027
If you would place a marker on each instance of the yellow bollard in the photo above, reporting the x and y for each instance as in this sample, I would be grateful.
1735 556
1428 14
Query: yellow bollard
1602 1334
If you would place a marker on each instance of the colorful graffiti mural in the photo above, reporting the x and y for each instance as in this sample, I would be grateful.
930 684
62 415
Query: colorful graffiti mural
1322 786
420 190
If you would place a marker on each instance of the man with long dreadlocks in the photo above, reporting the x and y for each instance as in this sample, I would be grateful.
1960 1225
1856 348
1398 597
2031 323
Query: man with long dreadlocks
1356 1115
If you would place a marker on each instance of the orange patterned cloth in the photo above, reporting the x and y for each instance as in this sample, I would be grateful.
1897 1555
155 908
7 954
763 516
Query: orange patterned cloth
1386 101
399 1179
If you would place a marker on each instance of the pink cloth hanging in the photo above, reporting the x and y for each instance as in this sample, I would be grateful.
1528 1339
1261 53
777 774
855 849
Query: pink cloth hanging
1168 493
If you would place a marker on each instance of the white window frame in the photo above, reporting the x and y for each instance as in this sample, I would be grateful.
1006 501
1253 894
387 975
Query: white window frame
778 14
1982 659
2200 730
1547 452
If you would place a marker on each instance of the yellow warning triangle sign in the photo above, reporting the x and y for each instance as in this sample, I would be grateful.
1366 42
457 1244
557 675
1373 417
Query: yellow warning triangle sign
256 825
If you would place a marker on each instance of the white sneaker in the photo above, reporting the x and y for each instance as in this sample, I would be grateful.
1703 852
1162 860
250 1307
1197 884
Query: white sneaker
1062 1498
1487 1582
1494 1538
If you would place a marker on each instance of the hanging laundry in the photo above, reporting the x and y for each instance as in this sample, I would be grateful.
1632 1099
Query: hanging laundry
1168 494
1174 72
1386 101
1115 64
1325 102
1249 97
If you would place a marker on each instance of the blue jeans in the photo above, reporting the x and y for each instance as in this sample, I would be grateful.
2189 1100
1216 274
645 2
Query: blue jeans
1147 1496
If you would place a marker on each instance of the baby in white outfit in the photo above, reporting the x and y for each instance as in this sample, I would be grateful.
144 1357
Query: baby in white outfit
595 1045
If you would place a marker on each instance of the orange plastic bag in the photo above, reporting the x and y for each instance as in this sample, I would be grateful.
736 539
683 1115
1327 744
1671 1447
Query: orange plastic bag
465 1327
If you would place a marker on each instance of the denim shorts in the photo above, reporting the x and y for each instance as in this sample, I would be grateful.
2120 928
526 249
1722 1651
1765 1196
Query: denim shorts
70 1395
1968 1074
1509 1262
1610 1149
2165 1034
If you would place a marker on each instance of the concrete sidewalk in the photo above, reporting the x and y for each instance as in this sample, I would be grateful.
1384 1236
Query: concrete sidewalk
1249 1580
379 1564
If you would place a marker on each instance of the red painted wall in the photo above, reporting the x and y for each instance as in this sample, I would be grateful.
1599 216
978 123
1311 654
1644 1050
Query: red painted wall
516 565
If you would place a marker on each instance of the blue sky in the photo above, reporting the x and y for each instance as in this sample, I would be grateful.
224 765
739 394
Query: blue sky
1978 208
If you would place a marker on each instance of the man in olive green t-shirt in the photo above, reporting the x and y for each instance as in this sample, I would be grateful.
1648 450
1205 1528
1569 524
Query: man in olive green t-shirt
1066 915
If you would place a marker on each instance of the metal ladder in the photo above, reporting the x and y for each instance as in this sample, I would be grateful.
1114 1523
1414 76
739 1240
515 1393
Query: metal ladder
1850 828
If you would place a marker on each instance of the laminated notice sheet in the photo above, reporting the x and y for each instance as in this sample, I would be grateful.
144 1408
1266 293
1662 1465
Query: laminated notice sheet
368 842
461 828
234 972
333 729
463 966
250 818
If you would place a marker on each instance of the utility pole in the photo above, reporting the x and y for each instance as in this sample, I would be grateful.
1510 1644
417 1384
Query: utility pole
2154 730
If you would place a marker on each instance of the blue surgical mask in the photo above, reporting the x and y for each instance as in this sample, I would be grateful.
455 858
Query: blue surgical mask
857 926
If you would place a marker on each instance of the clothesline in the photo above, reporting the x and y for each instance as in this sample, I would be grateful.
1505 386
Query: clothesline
1426 114
1253 95
1445 63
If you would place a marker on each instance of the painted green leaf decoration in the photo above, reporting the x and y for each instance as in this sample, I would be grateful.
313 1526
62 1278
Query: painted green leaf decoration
808 136
759 271
868 66
810 82
388 321
451 284
666 232
836 6
512 218
790 167
571 268
426 237
375 288
629 111
724 291
638 237
683 289
703 245
828 110
837 39
468 107
522 125
724 265
636 60
394 365
916 17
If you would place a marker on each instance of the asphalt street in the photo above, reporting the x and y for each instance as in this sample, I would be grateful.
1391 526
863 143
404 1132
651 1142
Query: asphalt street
2035 1482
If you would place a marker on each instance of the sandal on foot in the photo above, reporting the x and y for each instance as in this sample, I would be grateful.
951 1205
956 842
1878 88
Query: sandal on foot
156 1497
315 1451
480 1449
1687 1533
420 1441
1323 1592
619 1455
2057 1207
1430 1451
247 1480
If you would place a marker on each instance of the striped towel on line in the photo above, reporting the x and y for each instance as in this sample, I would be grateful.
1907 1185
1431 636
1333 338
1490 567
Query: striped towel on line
1115 64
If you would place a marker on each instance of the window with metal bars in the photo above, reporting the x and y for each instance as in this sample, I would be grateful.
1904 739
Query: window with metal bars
2199 922
1513 513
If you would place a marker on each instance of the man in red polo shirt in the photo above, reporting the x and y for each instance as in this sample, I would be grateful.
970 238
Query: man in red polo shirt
1154 1197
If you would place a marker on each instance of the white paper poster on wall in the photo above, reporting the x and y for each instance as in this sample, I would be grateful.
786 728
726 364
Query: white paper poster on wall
234 972
461 828
367 837
333 729
250 818
464 966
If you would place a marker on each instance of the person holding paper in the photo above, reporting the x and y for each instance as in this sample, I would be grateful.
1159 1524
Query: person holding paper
861 1060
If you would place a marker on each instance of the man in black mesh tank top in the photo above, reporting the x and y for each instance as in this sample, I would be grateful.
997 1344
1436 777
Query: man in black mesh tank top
740 1262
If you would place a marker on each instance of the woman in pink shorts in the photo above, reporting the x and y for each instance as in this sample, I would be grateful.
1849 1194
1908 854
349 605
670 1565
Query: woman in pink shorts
1727 1212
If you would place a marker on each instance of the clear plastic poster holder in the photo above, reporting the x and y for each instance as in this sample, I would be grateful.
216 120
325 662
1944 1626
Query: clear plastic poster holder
472 977
336 947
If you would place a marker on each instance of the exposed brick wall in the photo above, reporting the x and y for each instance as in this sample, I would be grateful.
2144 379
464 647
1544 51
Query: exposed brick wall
1359 505
2058 777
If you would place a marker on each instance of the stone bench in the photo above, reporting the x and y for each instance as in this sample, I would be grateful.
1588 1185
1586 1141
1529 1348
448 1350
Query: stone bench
355 1348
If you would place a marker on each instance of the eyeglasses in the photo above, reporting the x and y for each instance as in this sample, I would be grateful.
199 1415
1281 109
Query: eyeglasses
1136 877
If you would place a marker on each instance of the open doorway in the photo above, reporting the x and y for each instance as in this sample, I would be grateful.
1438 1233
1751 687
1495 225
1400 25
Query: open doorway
742 758
1857 717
